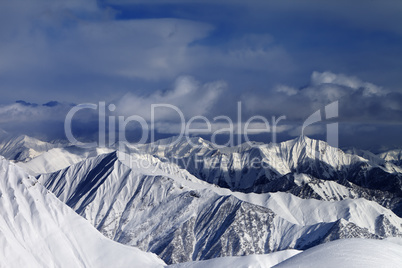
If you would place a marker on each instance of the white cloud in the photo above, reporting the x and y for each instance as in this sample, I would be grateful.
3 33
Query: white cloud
358 100
287 90
19 113
351 82
189 96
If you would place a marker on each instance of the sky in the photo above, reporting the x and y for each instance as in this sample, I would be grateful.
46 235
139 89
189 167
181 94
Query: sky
207 58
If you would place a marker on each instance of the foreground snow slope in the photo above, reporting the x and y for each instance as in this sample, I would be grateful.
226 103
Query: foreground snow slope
37 230
351 253
364 253
251 261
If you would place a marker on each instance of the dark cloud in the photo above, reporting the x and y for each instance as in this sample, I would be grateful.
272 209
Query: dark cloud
51 103
24 103
76 52
84 51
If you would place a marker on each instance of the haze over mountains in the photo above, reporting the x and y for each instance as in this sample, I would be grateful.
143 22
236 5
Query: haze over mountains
186 200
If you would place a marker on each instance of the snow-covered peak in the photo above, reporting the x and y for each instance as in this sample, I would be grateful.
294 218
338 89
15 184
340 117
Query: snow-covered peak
59 158
393 156
23 148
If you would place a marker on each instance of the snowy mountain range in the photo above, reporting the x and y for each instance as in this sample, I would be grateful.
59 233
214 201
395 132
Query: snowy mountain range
153 208
304 167
189 201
